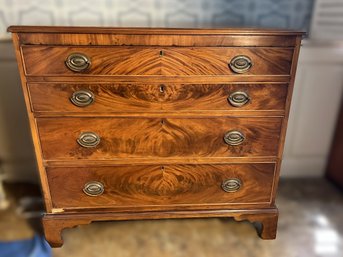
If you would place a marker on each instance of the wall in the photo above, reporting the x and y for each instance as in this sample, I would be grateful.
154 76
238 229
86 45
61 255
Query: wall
316 101
162 13
327 23
16 150
318 93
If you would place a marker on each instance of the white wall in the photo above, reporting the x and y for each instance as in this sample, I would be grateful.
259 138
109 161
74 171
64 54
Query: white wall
294 14
317 94
16 149
316 101
327 21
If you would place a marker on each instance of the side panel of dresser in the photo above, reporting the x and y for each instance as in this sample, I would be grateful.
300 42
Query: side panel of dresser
288 105
33 126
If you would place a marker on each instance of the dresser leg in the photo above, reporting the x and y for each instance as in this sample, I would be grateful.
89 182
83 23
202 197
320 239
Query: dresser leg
53 227
268 227
266 223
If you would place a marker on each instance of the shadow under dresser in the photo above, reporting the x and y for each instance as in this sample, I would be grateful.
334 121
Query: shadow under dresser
152 123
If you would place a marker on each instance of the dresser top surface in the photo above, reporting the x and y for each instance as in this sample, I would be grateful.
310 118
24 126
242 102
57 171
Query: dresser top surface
150 31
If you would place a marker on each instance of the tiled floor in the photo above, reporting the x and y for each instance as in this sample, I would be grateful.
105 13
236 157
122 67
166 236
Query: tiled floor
310 224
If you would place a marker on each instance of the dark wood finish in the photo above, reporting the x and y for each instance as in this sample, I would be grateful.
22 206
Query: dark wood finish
34 132
54 223
335 162
153 31
219 79
162 152
288 105
146 61
157 137
154 36
165 186
154 39
158 160
156 97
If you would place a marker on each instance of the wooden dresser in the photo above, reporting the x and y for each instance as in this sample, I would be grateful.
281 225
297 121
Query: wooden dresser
138 123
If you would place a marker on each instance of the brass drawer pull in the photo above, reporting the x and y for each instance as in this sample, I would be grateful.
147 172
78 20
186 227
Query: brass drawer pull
231 185
78 62
240 64
234 137
238 99
93 188
88 139
82 98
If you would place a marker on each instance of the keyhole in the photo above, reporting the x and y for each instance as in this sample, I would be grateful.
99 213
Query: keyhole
161 53
162 88
162 121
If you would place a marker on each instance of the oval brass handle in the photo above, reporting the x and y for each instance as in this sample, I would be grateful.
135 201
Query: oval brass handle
82 98
78 62
231 185
240 64
238 99
234 137
93 188
88 139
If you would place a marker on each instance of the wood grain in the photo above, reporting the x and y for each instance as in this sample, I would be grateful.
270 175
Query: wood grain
161 154
153 137
33 128
194 79
154 31
156 40
287 112
134 186
158 160
145 61
155 97
54 223
42 35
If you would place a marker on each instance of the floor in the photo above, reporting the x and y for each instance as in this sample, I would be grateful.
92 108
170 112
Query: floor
310 224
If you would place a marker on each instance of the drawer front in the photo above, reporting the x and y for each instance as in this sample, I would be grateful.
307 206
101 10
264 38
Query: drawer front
138 186
85 98
108 138
51 61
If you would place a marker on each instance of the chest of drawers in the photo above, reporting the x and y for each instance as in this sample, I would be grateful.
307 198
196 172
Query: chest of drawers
157 123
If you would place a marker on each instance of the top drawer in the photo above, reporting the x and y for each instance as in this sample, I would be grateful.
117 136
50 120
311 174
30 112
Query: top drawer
147 61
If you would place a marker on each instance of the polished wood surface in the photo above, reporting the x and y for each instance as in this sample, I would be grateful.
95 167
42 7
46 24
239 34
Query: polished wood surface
157 31
155 40
204 79
155 97
53 224
150 61
135 187
161 111
45 35
156 137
